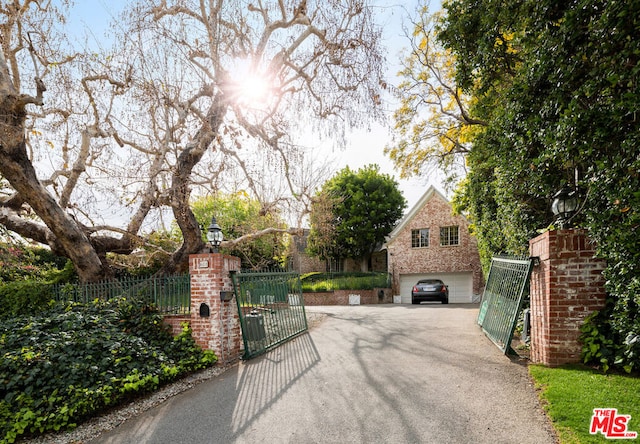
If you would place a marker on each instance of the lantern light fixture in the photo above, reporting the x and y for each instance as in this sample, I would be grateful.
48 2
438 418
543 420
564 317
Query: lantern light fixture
214 235
565 205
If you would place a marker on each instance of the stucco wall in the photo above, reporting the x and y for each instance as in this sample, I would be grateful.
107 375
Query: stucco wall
435 213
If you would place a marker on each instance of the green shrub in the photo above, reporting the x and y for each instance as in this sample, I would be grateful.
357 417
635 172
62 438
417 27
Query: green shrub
319 282
64 366
20 262
603 346
23 297
26 278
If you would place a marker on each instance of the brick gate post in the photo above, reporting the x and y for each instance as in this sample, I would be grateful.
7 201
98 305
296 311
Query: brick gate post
214 323
566 287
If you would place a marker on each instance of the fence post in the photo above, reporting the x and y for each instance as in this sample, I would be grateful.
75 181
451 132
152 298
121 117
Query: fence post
214 323
566 287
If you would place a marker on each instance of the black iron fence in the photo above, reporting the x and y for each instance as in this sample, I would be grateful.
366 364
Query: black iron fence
170 294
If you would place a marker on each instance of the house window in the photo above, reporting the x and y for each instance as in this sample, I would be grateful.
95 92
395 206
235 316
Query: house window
449 236
334 265
420 238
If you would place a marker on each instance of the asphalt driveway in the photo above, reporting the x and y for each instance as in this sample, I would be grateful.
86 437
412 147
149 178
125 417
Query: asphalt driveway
365 374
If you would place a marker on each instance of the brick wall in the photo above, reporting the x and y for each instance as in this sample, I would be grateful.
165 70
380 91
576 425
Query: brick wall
436 212
298 259
566 287
175 322
220 331
341 297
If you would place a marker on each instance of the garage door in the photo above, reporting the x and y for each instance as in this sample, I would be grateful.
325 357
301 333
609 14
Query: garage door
460 285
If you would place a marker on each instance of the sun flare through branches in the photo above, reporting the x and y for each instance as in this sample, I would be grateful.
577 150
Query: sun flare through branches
251 88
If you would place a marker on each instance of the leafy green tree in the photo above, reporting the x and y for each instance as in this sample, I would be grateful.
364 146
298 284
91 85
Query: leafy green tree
257 235
433 124
353 213
322 240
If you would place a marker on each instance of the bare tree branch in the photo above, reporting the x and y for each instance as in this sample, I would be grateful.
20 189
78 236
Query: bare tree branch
136 129
258 234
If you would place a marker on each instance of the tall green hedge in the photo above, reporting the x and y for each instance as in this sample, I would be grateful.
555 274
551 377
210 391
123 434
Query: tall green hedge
557 85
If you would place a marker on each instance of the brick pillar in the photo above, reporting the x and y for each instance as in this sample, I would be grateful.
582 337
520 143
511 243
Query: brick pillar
220 331
566 287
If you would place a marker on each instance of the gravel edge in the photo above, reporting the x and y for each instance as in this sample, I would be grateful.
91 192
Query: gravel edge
96 426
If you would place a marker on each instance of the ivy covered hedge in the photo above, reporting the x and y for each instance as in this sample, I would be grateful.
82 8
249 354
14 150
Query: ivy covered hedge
556 85
61 367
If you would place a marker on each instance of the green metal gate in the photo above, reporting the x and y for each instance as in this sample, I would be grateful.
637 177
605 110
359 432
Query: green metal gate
506 287
271 309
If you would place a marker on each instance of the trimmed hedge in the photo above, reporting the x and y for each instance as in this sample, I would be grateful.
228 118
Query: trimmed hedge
321 282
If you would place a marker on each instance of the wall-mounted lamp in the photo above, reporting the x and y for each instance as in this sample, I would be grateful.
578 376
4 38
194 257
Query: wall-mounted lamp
214 235
226 296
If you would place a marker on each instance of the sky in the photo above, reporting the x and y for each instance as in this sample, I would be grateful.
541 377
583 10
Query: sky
363 146
366 147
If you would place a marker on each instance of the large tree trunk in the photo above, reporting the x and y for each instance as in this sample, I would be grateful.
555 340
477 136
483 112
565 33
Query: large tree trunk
180 186
16 167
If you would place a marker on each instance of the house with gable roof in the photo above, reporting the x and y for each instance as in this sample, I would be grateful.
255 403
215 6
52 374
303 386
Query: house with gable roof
432 242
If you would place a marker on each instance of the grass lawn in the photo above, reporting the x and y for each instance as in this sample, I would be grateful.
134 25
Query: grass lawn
571 393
